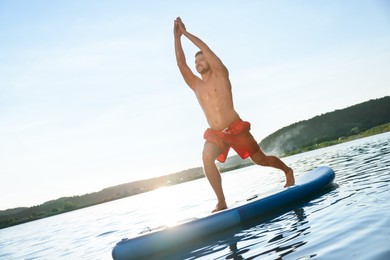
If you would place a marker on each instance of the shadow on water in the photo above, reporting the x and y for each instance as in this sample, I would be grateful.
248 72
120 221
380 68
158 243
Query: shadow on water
299 228
234 243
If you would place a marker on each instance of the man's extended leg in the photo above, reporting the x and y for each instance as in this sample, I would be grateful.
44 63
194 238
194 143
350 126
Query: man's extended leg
210 154
264 160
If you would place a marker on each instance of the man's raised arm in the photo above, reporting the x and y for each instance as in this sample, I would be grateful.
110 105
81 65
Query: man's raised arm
210 56
189 77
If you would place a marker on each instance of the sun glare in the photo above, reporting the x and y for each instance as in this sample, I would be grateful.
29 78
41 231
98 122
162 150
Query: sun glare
168 204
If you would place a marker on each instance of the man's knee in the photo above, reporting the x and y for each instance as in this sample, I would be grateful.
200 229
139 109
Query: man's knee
210 153
207 157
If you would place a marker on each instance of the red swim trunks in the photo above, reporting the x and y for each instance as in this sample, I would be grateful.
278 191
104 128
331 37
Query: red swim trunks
236 136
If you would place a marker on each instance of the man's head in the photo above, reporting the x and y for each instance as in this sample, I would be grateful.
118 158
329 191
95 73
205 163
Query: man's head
201 64
198 53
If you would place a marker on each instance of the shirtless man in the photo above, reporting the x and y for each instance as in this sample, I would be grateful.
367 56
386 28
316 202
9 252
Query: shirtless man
214 93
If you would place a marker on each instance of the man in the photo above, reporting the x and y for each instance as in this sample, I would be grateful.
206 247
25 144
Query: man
226 129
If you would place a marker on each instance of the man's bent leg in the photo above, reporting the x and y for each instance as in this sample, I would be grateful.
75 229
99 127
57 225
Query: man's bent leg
262 159
210 154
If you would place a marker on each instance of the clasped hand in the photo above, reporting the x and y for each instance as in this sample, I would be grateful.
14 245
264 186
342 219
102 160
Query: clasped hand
179 27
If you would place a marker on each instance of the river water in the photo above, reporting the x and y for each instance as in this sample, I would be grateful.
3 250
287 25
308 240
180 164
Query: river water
352 221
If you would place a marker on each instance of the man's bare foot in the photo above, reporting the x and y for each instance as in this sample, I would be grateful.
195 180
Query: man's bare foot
290 180
219 207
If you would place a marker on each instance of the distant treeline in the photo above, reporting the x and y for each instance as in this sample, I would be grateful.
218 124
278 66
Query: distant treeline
361 120
331 126
16 216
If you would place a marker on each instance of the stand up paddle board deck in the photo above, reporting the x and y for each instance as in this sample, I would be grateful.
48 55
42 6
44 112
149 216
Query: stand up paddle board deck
307 186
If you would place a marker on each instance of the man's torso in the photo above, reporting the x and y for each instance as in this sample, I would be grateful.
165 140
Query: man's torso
215 98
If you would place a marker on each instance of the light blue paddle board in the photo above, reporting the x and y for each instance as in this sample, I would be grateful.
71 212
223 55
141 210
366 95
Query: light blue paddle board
152 243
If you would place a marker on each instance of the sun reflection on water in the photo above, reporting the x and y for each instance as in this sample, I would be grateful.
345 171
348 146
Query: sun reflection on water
167 203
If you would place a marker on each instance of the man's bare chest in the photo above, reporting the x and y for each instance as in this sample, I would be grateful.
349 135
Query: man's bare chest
213 90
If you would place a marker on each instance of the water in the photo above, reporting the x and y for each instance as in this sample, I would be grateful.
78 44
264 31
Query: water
350 222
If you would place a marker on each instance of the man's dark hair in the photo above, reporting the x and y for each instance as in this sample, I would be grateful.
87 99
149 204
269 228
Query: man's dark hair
198 53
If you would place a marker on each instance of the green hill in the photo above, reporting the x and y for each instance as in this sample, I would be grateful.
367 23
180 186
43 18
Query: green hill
328 127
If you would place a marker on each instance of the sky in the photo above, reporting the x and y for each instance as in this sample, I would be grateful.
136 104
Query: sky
91 97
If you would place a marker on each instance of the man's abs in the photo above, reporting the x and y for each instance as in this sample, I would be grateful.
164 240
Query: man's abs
221 119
